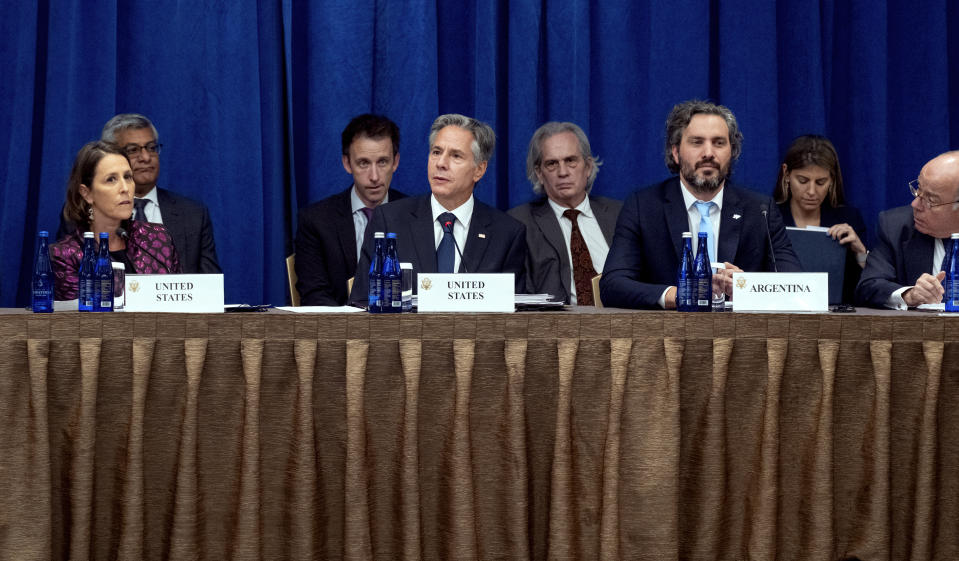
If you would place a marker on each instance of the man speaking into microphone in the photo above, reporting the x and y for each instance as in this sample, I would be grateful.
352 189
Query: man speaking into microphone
449 231
746 231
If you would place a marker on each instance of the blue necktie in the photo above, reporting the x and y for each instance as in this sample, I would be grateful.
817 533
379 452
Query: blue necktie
446 252
705 225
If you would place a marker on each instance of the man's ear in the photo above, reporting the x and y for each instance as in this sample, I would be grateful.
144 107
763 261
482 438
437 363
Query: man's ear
346 164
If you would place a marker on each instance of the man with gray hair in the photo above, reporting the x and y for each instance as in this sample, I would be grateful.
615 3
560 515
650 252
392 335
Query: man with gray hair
568 229
745 229
448 230
187 220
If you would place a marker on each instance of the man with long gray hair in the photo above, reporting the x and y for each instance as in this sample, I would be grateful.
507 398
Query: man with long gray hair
448 230
568 229
702 142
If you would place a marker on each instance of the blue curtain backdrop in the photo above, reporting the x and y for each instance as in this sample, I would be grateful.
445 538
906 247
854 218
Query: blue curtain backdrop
250 97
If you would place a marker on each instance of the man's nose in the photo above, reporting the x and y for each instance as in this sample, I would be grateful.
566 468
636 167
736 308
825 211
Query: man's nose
374 173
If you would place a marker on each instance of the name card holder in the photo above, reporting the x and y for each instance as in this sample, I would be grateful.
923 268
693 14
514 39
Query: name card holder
193 294
465 292
781 292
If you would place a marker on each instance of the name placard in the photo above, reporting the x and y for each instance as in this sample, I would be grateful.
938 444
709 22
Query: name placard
465 292
781 292
197 294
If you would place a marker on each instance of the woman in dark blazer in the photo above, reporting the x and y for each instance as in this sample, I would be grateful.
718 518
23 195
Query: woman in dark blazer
809 192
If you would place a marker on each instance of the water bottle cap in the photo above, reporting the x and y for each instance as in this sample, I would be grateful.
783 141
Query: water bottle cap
378 234
687 234
703 235
955 235
44 234
104 235
391 235
88 234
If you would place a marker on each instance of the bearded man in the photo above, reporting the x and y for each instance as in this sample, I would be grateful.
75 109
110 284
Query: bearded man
702 142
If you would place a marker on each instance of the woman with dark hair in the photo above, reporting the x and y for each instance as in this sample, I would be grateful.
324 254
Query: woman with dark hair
100 199
809 192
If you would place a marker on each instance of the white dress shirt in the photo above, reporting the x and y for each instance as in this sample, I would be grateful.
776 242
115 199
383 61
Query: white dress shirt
461 227
592 235
152 208
359 218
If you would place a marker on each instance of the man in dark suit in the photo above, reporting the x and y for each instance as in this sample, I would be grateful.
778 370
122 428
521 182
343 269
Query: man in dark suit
702 141
568 230
905 267
187 220
448 230
329 233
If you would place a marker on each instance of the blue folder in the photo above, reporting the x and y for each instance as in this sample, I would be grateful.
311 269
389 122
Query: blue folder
818 253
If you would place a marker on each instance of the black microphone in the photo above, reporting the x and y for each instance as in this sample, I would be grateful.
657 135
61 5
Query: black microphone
121 231
448 228
769 239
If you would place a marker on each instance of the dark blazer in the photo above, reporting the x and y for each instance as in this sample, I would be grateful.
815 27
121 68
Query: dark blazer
495 242
901 255
326 249
188 221
830 216
648 243
547 263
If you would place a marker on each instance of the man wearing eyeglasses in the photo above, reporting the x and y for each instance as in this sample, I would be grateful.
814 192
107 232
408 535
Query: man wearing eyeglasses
905 269
329 233
568 230
187 220
746 231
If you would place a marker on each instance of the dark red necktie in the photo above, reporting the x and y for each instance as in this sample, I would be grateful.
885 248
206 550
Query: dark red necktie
583 271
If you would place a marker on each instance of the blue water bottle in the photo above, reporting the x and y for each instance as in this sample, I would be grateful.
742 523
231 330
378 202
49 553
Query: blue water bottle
392 298
376 275
685 280
88 264
703 273
42 288
951 266
103 277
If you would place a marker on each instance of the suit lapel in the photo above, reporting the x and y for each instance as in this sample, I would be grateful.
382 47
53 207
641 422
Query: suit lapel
730 226
918 252
170 214
477 239
605 218
345 230
545 220
421 233
677 216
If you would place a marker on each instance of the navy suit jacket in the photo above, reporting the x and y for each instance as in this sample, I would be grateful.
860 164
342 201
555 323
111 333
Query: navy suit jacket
547 263
188 221
495 242
901 256
326 249
648 244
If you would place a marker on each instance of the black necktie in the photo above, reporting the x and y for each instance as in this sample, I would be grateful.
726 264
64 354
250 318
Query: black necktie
583 271
446 252
139 213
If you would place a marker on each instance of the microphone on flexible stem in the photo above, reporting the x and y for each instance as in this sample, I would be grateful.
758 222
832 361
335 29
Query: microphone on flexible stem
769 239
448 228
121 231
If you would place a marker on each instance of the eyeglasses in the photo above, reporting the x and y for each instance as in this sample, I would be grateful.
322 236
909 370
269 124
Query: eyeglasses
924 199
133 150
571 162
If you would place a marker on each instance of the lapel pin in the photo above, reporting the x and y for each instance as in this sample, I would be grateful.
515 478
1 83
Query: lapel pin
481 236
736 217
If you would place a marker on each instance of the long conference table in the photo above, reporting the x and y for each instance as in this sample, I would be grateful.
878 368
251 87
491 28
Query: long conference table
586 434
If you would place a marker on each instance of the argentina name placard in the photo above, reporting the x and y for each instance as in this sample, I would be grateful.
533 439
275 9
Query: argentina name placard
465 292
202 294
781 292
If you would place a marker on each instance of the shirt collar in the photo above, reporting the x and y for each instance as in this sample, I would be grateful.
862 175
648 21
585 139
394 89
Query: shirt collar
463 213
151 196
691 199
582 207
356 203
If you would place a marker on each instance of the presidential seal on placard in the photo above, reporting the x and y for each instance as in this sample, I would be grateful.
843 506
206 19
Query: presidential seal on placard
741 282
426 283
134 286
